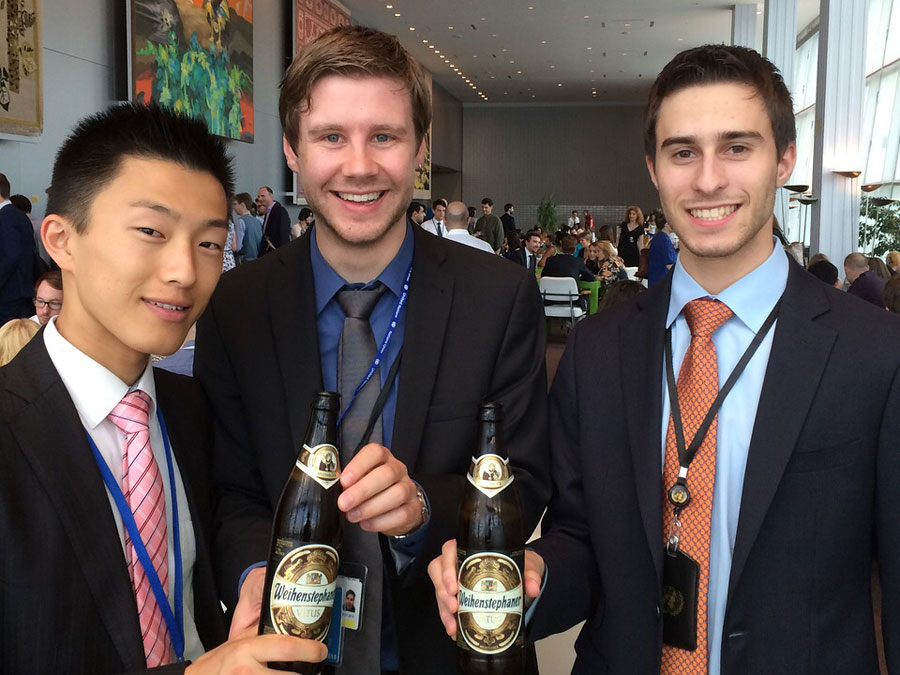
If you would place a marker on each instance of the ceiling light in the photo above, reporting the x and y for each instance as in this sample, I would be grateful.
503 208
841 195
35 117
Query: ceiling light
425 41
589 48
396 13
531 8
518 72
503 50
511 61
437 51
587 17
627 25
389 6
449 27
552 67
559 84
543 42
412 27
483 19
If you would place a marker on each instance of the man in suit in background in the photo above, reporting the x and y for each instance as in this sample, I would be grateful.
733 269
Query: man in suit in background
527 255
509 228
565 264
17 255
92 477
754 555
276 227
330 301
436 224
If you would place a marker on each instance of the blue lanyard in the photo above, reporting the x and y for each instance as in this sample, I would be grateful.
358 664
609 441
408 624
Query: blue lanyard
379 357
174 623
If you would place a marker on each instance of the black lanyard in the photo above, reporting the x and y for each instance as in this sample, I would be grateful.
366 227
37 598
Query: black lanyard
678 494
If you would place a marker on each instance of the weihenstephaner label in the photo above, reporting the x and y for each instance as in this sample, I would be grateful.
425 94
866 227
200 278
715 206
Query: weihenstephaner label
302 594
490 602
321 463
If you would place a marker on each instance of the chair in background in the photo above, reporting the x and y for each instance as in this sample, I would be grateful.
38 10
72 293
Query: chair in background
564 300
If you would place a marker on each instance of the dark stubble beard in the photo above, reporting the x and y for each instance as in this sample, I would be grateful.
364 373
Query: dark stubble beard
394 218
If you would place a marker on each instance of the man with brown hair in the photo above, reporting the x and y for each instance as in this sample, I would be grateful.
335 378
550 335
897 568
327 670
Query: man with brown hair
339 304
735 532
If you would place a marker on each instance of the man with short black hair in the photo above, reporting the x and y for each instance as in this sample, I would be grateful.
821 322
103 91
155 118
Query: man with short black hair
276 225
415 214
436 224
17 254
527 255
489 227
565 264
509 229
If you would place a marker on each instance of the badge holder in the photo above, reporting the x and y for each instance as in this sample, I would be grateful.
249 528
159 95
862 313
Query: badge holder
352 578
335 642
681 584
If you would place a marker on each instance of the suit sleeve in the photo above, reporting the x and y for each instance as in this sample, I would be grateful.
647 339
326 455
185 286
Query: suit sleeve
888 525
242 516
570 594
11 250
519 383
284 227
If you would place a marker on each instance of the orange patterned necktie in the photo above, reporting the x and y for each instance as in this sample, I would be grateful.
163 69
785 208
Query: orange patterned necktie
697 386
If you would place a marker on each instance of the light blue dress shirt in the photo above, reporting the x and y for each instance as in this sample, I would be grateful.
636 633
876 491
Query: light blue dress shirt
751 299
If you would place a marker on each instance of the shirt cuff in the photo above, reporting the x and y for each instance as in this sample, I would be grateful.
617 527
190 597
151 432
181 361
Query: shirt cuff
405 549
530 611
246 572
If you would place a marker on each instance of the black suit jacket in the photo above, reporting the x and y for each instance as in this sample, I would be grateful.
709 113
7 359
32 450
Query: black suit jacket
257 356
277 228
820 492
566 265
66 601
16 262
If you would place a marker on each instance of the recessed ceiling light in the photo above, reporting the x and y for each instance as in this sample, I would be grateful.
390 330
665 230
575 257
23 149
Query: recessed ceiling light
586 16
589 48
511 61
532 96
412 27
430 46
474 56
437 51
389 6
492 77
552 67
531 8
503 50
483 18
449 27
543 42
518 72
559 84
396 13
681 39
627 25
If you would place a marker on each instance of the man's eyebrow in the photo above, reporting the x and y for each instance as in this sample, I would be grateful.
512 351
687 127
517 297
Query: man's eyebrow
175 215
721 137
322 129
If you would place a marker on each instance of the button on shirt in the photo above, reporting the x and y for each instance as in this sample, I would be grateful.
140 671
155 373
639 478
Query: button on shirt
95 391
751 298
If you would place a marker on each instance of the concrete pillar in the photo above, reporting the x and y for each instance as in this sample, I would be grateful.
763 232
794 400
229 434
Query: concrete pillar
839 112
779 46
743 26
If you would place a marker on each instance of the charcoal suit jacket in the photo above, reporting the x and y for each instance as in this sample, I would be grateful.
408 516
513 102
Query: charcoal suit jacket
820 499
66 600
257 356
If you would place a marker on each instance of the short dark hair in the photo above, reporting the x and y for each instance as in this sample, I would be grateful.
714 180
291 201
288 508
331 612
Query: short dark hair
21 202
619 292
824 271
711 64
305 213
439 202
245 199
488 201
471 211
4 186
414 207
91 156
507 206
532 233
52 277
568 243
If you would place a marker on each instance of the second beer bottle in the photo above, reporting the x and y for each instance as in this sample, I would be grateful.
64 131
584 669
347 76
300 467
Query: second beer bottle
490 540
301 576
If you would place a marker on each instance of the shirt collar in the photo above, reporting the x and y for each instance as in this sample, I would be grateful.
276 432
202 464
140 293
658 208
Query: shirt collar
5 202
328 282
94 390
751 298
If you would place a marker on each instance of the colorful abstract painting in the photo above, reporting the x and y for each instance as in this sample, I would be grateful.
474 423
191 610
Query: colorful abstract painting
196 56
21 96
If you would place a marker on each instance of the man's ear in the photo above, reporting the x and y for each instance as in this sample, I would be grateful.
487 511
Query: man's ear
289 154
652 169
786 164
58 233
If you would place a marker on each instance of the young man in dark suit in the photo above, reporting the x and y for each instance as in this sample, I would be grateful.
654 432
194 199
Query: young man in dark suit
17 255
565 264
753 553
355 135
104 500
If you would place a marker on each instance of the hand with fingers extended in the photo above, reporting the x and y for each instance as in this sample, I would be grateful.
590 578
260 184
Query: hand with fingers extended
246 655
379 494
443 573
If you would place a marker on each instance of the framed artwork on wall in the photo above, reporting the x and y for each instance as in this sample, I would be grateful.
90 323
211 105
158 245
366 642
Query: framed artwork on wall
422 189
195 56
21 65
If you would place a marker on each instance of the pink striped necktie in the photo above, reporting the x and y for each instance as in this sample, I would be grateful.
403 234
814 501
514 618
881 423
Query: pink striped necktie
143 490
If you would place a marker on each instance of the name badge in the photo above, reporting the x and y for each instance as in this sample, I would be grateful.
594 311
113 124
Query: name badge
681 582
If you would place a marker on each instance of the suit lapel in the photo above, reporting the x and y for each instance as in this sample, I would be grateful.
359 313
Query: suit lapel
292 310
641 348
800 351
62 460
430 296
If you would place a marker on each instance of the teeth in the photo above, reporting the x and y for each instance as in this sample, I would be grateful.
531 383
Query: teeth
368 197
713 214
166 306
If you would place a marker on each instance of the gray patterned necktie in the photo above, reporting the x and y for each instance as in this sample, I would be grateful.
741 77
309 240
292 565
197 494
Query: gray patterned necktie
356 351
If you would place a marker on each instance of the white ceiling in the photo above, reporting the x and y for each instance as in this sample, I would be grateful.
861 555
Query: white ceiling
552 51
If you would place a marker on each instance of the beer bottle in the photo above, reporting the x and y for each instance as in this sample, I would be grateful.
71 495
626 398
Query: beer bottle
301 576
490 543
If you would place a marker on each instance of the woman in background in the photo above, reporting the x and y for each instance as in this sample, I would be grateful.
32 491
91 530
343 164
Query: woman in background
14 335
630 232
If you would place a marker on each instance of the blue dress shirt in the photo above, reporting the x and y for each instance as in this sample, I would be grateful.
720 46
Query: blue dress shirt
751 299
330 322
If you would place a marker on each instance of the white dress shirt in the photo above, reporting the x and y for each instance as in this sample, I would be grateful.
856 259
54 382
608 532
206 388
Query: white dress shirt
462 236
751 299
95 391
437 227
